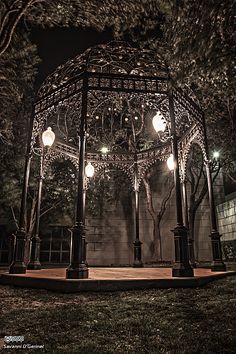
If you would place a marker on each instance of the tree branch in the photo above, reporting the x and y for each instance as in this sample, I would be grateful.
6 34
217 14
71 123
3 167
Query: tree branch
14 217
10 21
191 180
151 210
198 179
165 200
52 207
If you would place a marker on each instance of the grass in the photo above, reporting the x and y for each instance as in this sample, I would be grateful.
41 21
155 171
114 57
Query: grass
178 321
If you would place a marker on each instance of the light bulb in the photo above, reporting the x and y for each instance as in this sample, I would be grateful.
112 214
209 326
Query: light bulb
159 123
104 150
170 162
216 154
89 170
48 137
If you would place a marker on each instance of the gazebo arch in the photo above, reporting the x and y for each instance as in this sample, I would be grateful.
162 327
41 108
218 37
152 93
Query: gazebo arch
117 88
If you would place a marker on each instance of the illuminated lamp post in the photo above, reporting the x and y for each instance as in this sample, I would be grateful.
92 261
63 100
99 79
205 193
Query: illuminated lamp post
137 243
89 173
77 268
217 264
186 222
181 267
48 138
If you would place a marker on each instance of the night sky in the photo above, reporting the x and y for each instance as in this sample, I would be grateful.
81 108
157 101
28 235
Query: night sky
57 45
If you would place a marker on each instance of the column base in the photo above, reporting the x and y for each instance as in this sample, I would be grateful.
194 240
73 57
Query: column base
34 266
137 264
181 267
179 270
77 273
137 254
17 268
218 266
193 264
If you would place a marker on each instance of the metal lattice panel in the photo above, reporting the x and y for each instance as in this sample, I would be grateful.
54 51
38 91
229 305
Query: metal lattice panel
190 106
124 162
113 58
193 136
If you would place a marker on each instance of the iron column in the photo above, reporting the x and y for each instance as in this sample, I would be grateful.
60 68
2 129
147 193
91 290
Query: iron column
78 268
181 267
217 263
35 240
186 222
137 243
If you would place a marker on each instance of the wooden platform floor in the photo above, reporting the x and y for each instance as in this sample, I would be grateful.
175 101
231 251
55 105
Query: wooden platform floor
110 279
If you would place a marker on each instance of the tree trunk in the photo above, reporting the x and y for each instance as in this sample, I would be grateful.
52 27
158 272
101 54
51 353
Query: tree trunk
30 228
156 218
157 250
192 217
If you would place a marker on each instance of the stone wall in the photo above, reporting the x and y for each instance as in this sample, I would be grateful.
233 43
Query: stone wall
110 239
226 213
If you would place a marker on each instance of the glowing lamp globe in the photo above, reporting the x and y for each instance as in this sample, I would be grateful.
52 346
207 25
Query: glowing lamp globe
48 137
216 154
104 150
159 123
89 170
170 162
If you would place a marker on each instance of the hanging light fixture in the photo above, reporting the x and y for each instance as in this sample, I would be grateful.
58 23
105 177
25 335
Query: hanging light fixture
170 162
159 123
216 154
89 170
48 137
104 150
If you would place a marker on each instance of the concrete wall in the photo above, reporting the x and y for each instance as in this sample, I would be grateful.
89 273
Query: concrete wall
226 213
110 239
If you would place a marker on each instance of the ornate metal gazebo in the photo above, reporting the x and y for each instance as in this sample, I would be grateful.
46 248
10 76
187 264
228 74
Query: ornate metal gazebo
110 93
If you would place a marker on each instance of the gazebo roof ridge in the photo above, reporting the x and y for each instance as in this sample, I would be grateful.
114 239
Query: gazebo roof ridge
115 57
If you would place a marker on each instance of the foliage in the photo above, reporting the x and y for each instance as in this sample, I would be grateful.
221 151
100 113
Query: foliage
17 71
124 322
59 192
229 250
97 14
106 189
201 40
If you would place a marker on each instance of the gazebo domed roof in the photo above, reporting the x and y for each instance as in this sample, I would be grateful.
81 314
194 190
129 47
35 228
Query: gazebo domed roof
115 58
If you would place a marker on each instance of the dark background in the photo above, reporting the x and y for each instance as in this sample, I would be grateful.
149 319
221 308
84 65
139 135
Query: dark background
57 45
